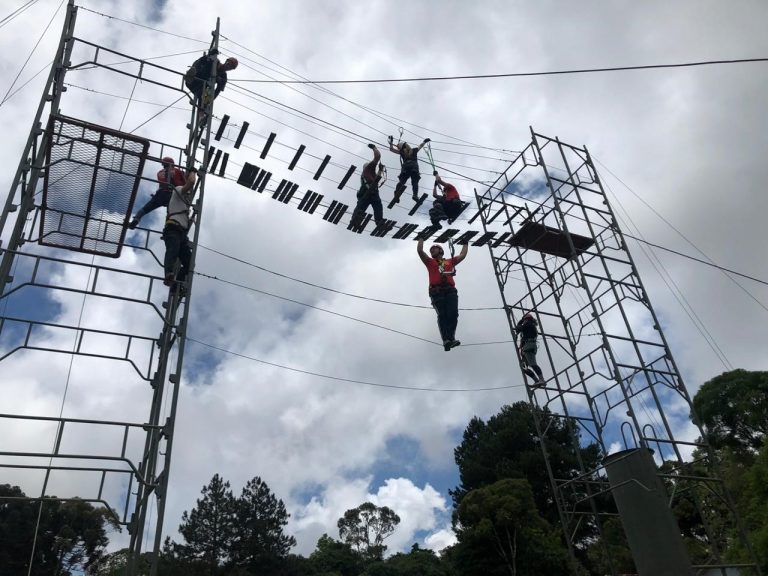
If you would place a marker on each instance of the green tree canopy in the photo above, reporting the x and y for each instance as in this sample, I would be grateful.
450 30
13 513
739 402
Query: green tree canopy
366 527
332 557
501 532
418 562
507 446
71 536
733 408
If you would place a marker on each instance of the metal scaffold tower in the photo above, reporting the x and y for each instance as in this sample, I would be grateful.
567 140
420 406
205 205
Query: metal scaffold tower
610 376
63 230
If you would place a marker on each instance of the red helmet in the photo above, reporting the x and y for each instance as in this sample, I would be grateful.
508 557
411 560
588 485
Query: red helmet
231 61
169 160
438 247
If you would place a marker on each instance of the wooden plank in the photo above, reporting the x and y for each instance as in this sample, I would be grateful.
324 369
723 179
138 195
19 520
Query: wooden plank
405 231
222 127
346 177
268 145
416 206
323 164
241 135
296 157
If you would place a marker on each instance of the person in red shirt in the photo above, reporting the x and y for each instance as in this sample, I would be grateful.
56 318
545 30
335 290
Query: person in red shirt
168 177
447 203
442 289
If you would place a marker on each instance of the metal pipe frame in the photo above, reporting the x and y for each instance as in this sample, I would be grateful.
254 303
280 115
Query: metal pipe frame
38 268
613 391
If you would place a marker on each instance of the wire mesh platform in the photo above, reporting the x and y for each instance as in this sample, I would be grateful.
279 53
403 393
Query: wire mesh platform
92 174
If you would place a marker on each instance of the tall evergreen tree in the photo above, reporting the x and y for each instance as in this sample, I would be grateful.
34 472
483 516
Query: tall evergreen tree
209 529
260 544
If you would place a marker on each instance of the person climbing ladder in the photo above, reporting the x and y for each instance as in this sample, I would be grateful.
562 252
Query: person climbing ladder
409 166
527 328
169 177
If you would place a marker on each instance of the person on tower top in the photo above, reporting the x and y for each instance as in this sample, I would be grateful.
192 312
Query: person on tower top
168 177
177 225
368 194
200 73
447 203
442 289
528 330
409 166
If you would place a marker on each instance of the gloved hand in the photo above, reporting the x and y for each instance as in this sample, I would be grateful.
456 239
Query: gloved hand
434 173
427 140
371 146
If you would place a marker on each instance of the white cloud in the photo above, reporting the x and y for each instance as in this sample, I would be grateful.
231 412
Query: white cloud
688 142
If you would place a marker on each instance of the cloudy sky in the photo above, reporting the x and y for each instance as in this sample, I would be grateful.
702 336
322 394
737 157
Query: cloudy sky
681 152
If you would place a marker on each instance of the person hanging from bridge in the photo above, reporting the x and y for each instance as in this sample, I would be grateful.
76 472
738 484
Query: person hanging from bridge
199 74
442 289
177 224
409 166
528 330
169 176
368 194
447 203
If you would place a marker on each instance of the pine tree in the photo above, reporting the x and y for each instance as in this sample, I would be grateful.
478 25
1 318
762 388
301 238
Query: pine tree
260 545
209 529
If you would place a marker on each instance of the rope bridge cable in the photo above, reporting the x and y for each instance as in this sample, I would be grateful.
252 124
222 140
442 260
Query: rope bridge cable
358 296
372 324
350 380
395 121
17 12
524 74
251 289
641 240
139 25
676 252
45 30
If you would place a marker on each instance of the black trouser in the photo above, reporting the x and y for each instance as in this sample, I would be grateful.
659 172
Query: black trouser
444 208
176 247
369 198
158 199
196 87
528 356
445 301
408 171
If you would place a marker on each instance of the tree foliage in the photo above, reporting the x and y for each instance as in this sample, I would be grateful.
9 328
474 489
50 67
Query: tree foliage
501 532
366 527
209 529
733 408
260 516
71 536
507 446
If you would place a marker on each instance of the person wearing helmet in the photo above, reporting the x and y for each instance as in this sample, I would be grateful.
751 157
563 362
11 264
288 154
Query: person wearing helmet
447 203
200 73
368 194
442 289
528 330
409 167
177 223
168 177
